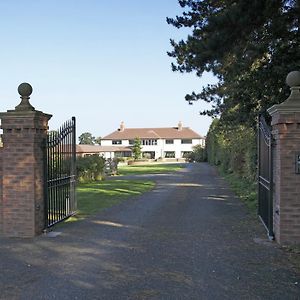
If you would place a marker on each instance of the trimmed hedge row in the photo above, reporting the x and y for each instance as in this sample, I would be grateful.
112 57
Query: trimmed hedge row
232 149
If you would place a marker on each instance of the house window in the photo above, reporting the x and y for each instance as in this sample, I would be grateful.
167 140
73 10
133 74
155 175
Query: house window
117 142
123 154
149 154
186 141
131 142
149 142
169 142
185 154
169 154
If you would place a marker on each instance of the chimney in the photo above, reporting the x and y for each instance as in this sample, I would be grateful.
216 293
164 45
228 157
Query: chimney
122 127
179 126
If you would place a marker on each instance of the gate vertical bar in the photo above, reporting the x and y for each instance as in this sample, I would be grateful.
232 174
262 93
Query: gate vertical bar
46 190
258 164
73 164
270 206
60 174
265 175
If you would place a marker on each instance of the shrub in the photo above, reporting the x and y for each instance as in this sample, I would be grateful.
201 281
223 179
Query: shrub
90 168
198 154
233 149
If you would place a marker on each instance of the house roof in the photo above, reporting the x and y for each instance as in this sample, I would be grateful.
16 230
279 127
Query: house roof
153 133
99 149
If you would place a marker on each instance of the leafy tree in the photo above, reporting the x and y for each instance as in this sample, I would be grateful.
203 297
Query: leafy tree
98 140
233 150
198 154
86 138
250 46
137 149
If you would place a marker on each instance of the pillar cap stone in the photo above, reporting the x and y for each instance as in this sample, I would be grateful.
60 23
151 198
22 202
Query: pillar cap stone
24 110
293 79
292 103
25 90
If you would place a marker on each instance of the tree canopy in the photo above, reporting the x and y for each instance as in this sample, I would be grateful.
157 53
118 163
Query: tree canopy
86 138
98 140
250 46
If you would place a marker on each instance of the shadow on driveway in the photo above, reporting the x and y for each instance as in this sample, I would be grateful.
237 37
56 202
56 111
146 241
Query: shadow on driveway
188 238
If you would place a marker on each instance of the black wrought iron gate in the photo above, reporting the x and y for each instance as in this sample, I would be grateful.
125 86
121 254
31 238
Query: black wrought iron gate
60 173
265 175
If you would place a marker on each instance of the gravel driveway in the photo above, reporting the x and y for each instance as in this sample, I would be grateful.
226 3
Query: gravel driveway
189 238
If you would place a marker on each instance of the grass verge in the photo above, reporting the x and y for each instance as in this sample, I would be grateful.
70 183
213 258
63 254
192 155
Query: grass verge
245 189
94 197
149 169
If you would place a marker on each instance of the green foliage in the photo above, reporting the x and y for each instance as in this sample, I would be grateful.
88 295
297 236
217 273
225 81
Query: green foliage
246 190
137 149
198 154
232 148
86 138
250 46
90 168
98 140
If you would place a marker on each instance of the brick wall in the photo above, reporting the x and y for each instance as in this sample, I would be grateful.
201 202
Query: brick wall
1 189
22 168
286 132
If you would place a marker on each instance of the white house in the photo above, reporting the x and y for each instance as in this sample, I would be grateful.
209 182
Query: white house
167 142
105 151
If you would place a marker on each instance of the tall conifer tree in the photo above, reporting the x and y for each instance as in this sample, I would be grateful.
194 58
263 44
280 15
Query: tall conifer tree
250 46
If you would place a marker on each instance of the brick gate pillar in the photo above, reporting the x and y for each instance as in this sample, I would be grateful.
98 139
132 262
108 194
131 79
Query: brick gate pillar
286 172
24 131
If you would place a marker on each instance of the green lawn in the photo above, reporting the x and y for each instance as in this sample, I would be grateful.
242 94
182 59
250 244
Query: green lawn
149 169
96 196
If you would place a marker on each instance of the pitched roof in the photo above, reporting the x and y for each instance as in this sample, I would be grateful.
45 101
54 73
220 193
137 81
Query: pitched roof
98 149
153 133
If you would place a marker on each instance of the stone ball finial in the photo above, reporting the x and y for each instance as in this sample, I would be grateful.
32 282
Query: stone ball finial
25 89
293 79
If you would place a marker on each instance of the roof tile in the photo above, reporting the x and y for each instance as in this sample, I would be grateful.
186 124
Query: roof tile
153 133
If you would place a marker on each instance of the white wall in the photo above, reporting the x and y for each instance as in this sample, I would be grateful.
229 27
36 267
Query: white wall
106 142
162 147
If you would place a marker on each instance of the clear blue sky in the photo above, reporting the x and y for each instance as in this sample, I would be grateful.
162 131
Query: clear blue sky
101 61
